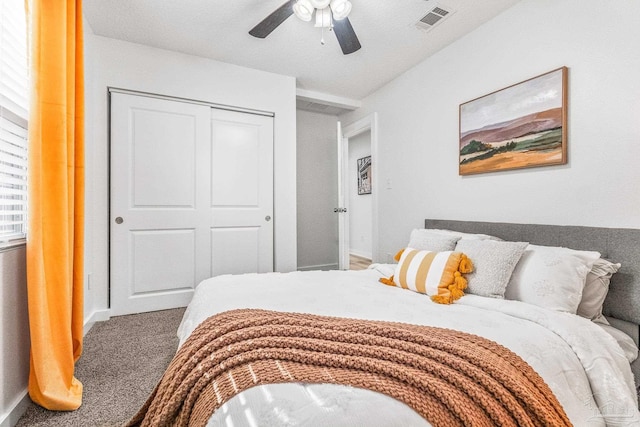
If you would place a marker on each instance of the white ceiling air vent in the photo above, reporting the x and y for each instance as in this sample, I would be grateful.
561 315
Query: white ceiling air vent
311 106
316 107
435 16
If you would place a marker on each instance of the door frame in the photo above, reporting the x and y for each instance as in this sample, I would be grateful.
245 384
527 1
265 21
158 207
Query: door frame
367 123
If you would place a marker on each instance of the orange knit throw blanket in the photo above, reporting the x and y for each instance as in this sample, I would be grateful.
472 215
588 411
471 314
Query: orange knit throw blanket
451 378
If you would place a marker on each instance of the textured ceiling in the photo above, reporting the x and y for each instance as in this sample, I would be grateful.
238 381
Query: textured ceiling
216 29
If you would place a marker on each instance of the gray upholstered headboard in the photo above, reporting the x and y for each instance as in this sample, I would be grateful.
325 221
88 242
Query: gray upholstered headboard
616 244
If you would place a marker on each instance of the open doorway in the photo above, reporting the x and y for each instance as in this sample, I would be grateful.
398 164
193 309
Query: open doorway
357 193
360 205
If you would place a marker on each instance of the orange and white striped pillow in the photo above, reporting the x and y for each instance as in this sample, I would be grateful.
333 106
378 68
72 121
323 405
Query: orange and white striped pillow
437 274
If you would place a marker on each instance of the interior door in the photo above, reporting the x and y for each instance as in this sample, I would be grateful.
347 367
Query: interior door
342 209
181 192
241 193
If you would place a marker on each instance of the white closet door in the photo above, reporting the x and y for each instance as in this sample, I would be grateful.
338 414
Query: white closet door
241 193
164 197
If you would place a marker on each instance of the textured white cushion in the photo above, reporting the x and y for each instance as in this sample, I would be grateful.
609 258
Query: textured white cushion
493 262
551 277
595 290
427 240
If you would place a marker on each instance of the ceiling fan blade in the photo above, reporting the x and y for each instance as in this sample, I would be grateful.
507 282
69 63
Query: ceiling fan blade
271 22
346 36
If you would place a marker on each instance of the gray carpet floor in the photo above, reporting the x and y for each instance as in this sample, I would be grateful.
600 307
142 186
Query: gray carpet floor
122 361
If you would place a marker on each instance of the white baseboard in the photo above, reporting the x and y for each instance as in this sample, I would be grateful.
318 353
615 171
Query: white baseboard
319 267
360 254
18 409
96 316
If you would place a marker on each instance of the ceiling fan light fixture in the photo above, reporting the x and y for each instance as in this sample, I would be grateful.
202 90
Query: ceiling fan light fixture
327 14
340 8
320 4
323 18
303 10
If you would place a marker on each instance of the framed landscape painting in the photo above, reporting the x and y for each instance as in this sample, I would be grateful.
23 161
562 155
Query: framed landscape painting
520 126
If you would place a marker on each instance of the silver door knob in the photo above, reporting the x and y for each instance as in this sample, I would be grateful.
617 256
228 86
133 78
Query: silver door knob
119 220
267 218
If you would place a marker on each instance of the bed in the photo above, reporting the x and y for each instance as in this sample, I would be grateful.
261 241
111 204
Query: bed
588 366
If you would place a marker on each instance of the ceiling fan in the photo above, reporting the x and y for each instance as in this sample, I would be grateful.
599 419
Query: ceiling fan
330 14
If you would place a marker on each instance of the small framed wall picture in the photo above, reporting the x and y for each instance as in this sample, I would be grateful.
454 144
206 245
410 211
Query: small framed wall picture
364 175
521 126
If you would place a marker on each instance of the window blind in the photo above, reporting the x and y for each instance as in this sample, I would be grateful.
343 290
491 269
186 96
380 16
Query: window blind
14 115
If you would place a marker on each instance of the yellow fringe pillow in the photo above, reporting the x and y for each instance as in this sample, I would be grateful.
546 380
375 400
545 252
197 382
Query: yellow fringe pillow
437 274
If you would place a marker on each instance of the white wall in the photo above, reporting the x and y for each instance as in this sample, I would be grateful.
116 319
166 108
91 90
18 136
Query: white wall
598 41
14 335
119 64
317 191
360 212
91 211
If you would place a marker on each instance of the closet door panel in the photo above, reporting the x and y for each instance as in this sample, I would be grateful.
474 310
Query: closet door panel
241 192
191 197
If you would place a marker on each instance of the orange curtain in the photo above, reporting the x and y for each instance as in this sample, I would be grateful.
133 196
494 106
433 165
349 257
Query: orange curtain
56 202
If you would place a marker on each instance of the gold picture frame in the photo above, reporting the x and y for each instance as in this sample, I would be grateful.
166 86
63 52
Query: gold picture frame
521 126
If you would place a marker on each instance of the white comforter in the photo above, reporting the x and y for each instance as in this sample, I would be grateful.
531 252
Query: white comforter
583 365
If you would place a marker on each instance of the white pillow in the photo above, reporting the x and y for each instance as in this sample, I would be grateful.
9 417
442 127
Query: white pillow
551 277
461 235
595 290
493 262
426 240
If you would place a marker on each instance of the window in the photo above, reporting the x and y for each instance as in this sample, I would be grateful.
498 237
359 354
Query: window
14 115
